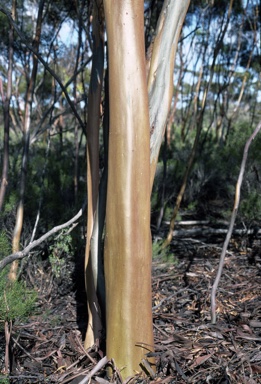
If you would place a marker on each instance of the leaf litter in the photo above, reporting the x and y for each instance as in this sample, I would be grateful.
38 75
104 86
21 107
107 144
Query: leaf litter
48 348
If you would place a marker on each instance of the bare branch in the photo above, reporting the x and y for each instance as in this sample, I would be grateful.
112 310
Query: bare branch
39 57
21 254
232 222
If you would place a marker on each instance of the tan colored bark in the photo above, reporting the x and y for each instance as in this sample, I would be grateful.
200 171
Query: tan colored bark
128 240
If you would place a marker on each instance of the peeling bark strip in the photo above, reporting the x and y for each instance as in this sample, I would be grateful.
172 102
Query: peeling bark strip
160 78
128 240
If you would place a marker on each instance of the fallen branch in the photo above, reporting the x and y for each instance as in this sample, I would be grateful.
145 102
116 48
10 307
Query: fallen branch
188 223
203 232
21 254
96 369
232 222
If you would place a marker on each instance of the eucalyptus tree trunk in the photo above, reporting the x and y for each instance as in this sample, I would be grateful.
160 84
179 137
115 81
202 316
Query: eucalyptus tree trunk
6 107
127 257
140 95
26 137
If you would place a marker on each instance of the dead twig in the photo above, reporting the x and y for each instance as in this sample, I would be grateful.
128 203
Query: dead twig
21 254
232 222
99 366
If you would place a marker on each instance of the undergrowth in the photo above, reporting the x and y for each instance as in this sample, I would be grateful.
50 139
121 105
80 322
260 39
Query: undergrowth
161 254
17 301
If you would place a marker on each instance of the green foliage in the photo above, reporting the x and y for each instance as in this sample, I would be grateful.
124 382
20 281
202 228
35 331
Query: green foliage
211 186
10 203
61 249
250 207
4 380
161 254
16 300
57 264
168 213
4 28
5 247
45 85
191 206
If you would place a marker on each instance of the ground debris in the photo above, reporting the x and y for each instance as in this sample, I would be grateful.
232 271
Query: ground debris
188 349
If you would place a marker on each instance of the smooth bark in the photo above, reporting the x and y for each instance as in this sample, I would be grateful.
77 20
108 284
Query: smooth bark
160 77
128 241
92 264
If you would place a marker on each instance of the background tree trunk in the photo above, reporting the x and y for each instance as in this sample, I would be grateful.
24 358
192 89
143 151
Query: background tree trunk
26 132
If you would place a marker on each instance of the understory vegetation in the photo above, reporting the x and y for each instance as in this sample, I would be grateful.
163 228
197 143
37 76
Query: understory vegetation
211 186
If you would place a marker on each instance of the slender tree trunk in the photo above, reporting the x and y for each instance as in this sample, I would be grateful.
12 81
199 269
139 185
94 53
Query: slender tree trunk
189 165
92 264
76 128
162 189
127 256
27 125
198 117
6 107
160 76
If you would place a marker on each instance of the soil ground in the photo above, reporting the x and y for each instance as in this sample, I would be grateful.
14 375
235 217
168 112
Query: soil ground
48 347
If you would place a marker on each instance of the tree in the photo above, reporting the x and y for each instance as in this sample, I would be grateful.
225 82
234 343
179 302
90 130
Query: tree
128 108
212 91
138 114
26 145
137 102
127 256
38 93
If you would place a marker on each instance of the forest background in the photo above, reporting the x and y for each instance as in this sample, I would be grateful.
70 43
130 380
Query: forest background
215 107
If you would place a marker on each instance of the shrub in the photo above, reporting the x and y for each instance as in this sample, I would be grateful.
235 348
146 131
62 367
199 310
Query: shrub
16 300
60 250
